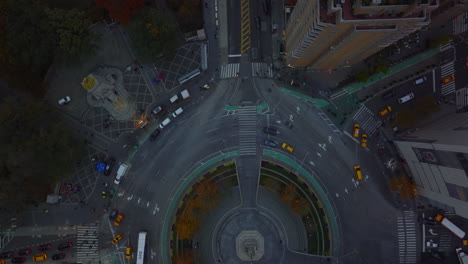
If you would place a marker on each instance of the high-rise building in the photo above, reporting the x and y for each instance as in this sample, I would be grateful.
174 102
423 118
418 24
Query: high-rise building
327 34
437 156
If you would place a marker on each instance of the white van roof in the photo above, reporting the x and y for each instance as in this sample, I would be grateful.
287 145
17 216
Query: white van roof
174 98
120 173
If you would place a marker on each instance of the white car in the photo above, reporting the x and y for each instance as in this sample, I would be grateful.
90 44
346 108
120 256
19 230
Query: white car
178 112
64 100
406 98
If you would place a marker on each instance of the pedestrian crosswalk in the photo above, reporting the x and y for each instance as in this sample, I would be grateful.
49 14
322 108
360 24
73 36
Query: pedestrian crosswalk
460 23
262 69
338 94
446 46
366 119
406 227
445 236
229 70
447 70
247 116
461 98
87 243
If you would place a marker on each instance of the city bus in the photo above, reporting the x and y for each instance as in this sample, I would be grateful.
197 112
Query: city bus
141 247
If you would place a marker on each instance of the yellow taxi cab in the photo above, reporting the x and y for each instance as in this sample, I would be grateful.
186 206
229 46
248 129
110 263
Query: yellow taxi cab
387 110
448 78
40 257
364 140
117 239
119 219
128 252
287 147
356 130
358 172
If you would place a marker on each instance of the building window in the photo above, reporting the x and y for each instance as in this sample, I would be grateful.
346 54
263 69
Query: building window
458 192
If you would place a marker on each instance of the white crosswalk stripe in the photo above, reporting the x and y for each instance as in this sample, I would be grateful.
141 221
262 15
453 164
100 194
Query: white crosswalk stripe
229 70
366 119
262 69
87 243
247 116
447 70
338 94
460 23
406 227
461 98
446 46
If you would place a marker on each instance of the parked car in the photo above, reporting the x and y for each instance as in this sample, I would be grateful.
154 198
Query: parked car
117 238
109 165
271 131
24 252
154 135
44 247
270 143
156 111
287 147
59 256
18 260
65 100
65 246
40 257
119 219
356 130
364 140
177 112
406 98
6 255
448 78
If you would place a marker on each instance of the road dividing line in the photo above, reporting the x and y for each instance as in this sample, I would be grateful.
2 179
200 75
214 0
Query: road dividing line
349 135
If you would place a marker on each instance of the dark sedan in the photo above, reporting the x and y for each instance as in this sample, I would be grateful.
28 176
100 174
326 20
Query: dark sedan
6 255
65 246
58 256
24 252
270 143
44 247
18 260
109 166
271 131
154 135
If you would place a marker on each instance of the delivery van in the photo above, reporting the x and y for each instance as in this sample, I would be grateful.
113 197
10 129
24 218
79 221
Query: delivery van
120 173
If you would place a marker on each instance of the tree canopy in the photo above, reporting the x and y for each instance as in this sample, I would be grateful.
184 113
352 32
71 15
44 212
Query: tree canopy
37 151
121 10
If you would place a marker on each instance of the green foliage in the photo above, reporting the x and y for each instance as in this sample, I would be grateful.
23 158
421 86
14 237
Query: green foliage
362 76
434 43
382 66
152 35
37 151
74 41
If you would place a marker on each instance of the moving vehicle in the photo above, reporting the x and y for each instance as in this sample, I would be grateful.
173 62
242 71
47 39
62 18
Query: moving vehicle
206 86
141 247
40 257
270 143
154 135
358 172
364 140
6 255
18 260
271 131
420 80
65 246
64 101
462 256
128 252
406 98
356 130
177 112
387 110
437 254
24 252
448 78
120 173
164 123
44 247
119 219
109 166
450 226
388 95
287 147
113 214
59 256
117 238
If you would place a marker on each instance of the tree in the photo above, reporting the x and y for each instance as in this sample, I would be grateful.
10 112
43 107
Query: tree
404 186
152 35
37 151
271 184
121 10
186 224
74 40
288 195
362 76
405 119
426 107
382 66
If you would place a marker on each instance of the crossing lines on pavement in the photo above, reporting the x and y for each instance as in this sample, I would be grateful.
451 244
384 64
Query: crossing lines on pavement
366 119
461 98
338 94
460 23
406 228
446 46
245 26
446 70
87 243
229 70
247 116
262 69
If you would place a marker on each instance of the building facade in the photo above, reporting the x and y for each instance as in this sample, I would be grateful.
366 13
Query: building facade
327 34
437 156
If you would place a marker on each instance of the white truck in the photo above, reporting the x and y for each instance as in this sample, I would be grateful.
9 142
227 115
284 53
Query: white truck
185 94
450 226
462 257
